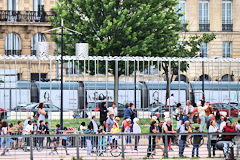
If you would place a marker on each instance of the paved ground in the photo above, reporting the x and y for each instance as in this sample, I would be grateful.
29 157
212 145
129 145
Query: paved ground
141 154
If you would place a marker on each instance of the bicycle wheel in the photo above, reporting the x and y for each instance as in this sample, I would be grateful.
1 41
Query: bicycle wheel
116 152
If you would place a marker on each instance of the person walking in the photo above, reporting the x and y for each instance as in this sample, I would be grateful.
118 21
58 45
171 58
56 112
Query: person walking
94 126
183 138
201 111
213 138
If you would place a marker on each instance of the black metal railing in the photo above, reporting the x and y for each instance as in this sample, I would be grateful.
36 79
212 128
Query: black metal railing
13 52
227 25
204 25
25 16
33 52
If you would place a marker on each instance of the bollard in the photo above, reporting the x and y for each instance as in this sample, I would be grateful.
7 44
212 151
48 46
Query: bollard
123 147
166 145
77 143
31 147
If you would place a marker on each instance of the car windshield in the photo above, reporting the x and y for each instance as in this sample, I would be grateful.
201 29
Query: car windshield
226 106
31 106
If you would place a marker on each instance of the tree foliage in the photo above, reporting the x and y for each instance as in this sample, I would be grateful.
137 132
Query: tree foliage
127 28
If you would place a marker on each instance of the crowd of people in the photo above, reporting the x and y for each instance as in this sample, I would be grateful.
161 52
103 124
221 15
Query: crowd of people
104 134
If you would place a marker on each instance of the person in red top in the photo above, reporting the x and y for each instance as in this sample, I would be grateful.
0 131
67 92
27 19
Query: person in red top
228 129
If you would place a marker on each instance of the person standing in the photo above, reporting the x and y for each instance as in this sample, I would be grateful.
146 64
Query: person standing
5 132
168 128
41 113
170 103
152 139
201 111
179 115
196 142
208 111
109 124
26 122
127 129
127 112
94 126
183 138
103 114
137 130
218 119
113 109
237 138
213 138
187 112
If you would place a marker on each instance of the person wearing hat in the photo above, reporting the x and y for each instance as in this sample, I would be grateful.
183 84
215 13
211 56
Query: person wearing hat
109 125
117 119
196 142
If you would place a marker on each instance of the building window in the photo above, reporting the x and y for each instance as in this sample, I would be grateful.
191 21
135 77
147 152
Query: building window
227 15
38 9
181 10
12 44
226 47
203 49
37 37
12 6
204 24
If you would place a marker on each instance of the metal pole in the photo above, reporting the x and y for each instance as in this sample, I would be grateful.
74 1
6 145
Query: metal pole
31 147
203 78
61 115
116 83
135 87
123 156
77 143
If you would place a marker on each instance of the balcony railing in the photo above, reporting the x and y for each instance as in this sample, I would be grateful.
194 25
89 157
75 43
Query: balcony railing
13 52
204 25
227 26
33 52
25 16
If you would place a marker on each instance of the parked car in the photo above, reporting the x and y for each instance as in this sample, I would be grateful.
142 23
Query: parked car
20 108
224 107
47 107
95 107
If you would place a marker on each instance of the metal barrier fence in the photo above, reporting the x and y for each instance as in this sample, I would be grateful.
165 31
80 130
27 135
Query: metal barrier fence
109 146
89 81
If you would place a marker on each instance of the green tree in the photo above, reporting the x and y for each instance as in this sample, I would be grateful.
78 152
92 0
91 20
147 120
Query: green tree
127 28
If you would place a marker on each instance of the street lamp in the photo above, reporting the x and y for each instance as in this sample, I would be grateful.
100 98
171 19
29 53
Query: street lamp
62 28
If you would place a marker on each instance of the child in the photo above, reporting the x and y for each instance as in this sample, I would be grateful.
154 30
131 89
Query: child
28 131
47 132
35 131
83 139
89 139
5 132
127 129
114 130
101 138
41 131
64 140
56 139
196 142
